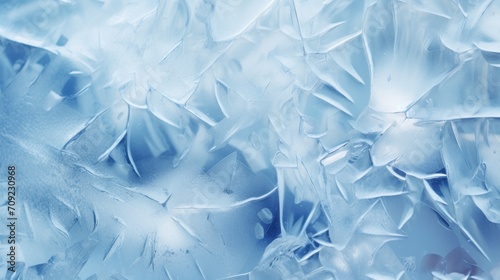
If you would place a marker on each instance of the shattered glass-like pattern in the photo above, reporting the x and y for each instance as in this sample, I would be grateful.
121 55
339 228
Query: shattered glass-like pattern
262 139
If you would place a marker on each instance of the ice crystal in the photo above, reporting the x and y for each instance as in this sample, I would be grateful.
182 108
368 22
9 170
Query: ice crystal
233 139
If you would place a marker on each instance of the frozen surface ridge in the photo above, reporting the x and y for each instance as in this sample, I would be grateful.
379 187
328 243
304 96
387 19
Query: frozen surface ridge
262 139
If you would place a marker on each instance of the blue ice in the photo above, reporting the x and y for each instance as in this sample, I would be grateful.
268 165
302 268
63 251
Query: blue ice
232 139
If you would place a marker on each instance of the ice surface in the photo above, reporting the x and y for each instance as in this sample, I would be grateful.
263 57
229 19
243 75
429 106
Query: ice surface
232 139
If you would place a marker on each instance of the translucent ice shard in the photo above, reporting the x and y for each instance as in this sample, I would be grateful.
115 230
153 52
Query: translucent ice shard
485 39
471 99
420 154
395 55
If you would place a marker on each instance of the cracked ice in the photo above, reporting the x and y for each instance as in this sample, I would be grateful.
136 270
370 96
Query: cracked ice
265 139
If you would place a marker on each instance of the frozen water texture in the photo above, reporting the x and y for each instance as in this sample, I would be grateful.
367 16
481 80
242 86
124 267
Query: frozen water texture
233 139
